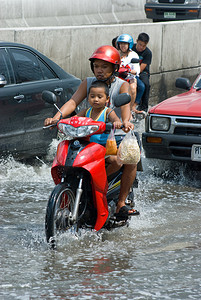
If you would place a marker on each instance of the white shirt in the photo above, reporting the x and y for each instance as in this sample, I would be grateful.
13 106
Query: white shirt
127 61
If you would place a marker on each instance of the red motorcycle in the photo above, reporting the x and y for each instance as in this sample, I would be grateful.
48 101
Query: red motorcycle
83 196
124 72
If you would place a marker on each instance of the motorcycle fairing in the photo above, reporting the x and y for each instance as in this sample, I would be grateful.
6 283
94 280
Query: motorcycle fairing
66 154
91 158
84 121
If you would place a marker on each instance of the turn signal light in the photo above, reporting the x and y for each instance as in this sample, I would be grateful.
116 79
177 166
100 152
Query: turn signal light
156 140
148 9
193 10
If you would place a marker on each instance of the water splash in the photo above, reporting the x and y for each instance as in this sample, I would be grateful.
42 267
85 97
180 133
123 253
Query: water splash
37 170
172 171
12 170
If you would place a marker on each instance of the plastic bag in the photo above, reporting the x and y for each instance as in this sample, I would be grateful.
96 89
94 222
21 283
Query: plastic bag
111 145
129 150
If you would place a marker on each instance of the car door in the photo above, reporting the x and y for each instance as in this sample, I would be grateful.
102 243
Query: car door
31 77
11 121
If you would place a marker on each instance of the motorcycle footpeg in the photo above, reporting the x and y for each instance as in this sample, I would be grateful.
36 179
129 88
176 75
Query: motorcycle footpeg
118 219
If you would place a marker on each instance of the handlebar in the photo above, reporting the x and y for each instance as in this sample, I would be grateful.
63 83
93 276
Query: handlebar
109 126
52 125
49 126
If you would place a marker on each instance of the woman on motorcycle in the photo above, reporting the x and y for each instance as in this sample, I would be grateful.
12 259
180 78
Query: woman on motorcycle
105 61
137 87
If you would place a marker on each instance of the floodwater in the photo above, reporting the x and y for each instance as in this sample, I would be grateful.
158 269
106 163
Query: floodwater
157 257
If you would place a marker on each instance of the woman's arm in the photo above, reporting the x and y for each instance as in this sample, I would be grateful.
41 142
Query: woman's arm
125 109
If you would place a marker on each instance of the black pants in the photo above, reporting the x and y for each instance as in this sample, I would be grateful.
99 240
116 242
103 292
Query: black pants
144 76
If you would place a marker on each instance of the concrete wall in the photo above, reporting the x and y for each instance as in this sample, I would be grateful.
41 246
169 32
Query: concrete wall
28 13
175 46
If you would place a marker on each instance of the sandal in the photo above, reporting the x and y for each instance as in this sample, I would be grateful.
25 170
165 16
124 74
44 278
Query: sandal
125 212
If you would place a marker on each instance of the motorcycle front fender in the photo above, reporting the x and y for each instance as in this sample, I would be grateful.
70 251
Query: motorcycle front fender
92 158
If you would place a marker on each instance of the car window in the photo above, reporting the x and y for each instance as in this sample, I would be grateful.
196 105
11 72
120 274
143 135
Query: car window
47 73
5 67
198 83
29 67
26 66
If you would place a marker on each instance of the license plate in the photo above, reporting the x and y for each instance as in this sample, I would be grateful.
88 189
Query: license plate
196 152
170 15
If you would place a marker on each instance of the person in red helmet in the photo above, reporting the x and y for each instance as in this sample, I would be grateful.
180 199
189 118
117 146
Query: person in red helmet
105 62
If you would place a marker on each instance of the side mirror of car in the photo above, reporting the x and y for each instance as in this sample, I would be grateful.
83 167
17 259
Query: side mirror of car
3 81
122 99
183 83
49 97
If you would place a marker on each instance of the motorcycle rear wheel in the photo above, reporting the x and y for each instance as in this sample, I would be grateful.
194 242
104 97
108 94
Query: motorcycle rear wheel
59 208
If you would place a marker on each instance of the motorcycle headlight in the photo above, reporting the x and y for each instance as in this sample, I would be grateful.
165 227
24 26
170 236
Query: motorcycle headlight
81 131
160 123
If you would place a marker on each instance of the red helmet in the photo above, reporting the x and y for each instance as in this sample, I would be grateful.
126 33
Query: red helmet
107 53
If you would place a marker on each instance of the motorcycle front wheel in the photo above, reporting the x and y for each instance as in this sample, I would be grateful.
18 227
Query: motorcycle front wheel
59 209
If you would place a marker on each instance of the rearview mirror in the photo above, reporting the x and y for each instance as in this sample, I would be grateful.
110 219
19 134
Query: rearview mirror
122 99
135 60
49 97
183 83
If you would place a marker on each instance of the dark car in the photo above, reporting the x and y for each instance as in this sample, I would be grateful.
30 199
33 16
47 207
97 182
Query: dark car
173 127
164 10
24 75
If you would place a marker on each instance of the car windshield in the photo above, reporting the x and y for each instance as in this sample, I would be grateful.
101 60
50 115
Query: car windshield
197 84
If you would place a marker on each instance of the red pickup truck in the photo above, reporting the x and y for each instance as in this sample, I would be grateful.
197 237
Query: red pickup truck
173 127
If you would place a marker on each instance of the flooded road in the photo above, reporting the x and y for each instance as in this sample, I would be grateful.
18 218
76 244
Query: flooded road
157 257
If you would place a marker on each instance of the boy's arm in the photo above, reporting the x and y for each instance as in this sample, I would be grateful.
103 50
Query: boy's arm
146 60
142 67
112 116
114 119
